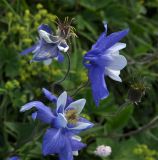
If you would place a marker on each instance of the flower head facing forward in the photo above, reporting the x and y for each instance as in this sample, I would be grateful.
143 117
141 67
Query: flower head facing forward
104 60
65 123
48 46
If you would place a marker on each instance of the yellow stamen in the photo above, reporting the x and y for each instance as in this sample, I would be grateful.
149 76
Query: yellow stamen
71 116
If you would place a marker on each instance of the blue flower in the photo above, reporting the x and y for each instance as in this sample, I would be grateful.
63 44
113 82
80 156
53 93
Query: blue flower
104 60
14 158
48 46
65 124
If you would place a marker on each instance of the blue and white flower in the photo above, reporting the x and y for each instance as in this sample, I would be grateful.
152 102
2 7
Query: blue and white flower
104 60
48 46
65 123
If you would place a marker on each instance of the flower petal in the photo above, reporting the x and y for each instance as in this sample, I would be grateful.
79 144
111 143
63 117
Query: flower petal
116 47
60 57
60 121
48 62
62 46
34 115
55 141
77 145
81 119
113 74
66 152
114 38
77 105
118 62
55 39
44 113
77 138
75 153
95 58
49 95
100 42
99 89
29 50
45 27
45 51
81 126
61 102
45 35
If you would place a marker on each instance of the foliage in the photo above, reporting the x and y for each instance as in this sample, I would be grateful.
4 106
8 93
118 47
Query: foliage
22 82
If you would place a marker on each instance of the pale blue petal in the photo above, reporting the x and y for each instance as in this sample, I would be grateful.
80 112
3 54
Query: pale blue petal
62 46
77 105
60 121
81 126
61 102
47 62
118 62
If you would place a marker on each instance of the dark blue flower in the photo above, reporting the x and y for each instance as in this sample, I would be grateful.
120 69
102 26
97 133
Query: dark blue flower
14 158
48 46
65 124
104 60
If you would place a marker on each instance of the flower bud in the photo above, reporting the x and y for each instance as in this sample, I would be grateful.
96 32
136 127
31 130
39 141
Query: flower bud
103 151
136 92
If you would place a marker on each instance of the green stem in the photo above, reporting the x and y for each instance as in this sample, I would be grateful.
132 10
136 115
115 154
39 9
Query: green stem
67 72
3 108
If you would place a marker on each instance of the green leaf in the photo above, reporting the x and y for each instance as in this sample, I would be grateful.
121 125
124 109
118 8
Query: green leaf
2 90
93 4
120 119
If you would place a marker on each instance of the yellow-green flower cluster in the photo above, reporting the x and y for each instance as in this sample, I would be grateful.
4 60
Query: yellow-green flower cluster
143 151
24 29
32 72
37 69
12 84
83 76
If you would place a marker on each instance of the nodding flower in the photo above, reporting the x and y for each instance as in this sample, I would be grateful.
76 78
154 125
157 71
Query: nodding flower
104 60
50 45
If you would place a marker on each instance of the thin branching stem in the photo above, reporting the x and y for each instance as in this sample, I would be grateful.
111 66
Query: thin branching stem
149 125
79 88
67 72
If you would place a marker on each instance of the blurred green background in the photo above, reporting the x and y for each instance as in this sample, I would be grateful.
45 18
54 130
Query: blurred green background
121 121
